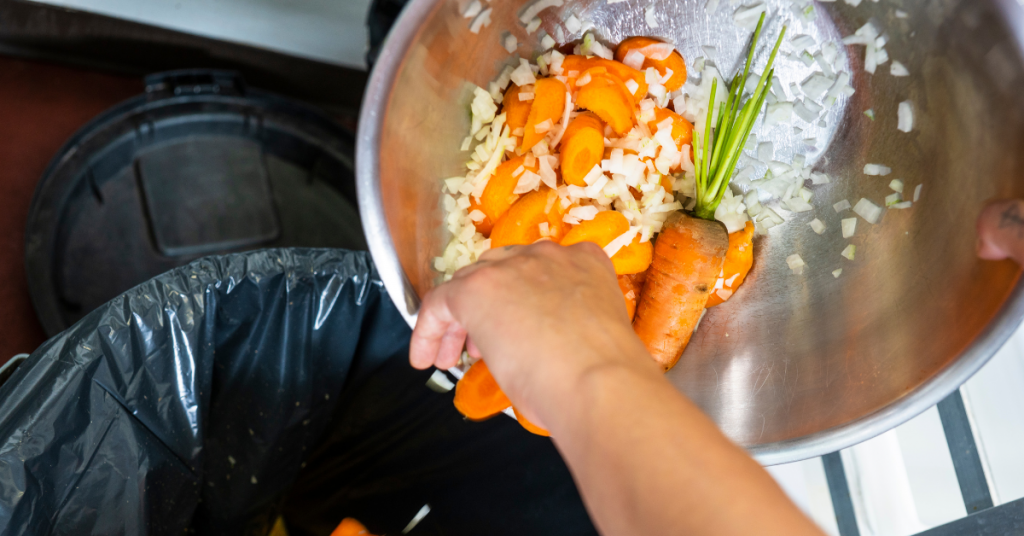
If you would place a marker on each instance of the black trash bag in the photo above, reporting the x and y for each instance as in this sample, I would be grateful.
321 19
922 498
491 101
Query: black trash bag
225 393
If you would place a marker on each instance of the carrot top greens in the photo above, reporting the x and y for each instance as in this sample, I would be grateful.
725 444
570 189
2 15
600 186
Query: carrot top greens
717 151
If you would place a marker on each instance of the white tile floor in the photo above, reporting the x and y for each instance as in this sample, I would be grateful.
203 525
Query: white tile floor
903 482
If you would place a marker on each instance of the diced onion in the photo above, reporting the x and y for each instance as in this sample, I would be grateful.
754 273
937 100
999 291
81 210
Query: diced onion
837 273
573 24
511 43
473 9
583 213
898 69
876 170
906 116
917 192
533 9
868 210
896 185
817 226
796 264
849 251
481 20
893 199
649 17
849 227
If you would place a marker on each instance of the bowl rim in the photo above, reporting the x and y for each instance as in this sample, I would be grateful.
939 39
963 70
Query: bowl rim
382 248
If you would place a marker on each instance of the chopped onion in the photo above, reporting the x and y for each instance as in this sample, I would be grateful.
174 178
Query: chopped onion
747 17
652 22
657 51
877 170
898 69
870 114
902 205
896 185
584 213
531 11
893 199
481 20
837 273
547 42
849 251
906 116
849 227
804 112
868 210
802 42
473 9
438 380
621 241
533 25
917 192
528 182
900 14
511 43
523 74
797 204
573 24
816 85
779 113
796 264
817 225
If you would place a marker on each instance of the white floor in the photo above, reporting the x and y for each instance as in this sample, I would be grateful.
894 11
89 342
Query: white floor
903 482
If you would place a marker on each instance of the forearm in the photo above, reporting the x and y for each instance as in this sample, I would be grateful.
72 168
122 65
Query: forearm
619 420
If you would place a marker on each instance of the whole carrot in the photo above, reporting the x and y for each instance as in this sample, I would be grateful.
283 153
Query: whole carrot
688 257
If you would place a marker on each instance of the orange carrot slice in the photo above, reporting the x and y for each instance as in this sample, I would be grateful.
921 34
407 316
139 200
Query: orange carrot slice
350 527
477 395
517 112
631 286
634 258
738 261
688 257
582 147
499 194
605 227
607 97
674 61
580 64
520 225
529 426
548 105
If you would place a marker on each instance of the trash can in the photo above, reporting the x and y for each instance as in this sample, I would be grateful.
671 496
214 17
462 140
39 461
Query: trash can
239 389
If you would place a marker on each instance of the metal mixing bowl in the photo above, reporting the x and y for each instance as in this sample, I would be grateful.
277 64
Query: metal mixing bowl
793 366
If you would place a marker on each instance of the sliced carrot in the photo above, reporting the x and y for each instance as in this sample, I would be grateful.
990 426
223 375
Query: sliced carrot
548 105
674 61
634 258
631 286
485 225
350 527
682 130
520 225
607 97
582 147
688 257
580 64
517 112
666 183
529 426
738 261
500 194
605 227
477 395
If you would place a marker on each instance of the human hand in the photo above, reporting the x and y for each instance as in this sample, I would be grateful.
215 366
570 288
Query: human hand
540 315
1000 230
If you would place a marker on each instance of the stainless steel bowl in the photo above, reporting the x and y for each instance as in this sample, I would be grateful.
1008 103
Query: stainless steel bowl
793 366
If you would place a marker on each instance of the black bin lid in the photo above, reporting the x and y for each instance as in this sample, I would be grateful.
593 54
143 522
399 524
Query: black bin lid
198 165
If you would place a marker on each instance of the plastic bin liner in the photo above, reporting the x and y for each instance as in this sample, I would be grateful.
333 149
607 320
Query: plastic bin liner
220 395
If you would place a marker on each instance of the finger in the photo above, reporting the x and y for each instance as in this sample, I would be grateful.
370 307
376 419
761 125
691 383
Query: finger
450 351
472 349
432 325
497 254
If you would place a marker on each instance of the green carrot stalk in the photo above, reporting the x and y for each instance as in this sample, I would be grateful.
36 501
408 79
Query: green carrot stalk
717 152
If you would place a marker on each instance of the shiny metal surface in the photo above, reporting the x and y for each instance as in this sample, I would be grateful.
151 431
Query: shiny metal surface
793 366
